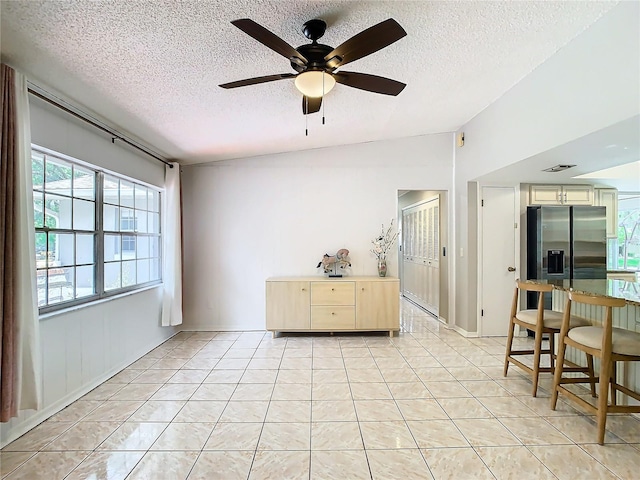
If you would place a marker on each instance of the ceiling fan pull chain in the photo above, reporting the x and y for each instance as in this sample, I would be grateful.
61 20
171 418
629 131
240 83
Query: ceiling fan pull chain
323 99
306 117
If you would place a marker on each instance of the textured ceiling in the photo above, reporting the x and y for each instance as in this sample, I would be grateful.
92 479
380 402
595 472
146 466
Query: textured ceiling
151 68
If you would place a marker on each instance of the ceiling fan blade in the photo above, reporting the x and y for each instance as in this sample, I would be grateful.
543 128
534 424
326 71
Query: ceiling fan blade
367 42
311 104
370 83
268 39
256 80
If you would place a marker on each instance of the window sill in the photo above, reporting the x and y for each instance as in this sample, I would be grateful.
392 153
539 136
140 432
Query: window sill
62 311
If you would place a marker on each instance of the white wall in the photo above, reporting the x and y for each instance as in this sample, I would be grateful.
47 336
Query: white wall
247 220
83 347
51 128
591 83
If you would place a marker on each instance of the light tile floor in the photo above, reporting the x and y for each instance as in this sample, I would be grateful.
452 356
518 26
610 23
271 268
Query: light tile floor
425 404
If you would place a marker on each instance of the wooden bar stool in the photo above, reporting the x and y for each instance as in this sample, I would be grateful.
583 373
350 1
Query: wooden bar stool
609 344
540 321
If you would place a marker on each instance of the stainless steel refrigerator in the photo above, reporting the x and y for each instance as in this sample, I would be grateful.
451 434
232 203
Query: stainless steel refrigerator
566 243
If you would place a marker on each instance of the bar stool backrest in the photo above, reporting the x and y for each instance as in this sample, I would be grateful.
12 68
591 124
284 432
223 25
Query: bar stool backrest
530 287
608 303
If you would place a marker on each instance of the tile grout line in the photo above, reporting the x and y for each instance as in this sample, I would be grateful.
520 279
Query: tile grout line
406 424
264 420
178 413
467 351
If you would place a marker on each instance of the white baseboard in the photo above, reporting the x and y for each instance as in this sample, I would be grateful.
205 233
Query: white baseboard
463 332
219 328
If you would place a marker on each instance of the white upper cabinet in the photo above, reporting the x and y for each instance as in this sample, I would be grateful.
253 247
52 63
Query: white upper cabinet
545 195
561 195
608 197
577 194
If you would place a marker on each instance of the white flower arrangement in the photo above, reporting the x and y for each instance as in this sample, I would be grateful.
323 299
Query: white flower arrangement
382 244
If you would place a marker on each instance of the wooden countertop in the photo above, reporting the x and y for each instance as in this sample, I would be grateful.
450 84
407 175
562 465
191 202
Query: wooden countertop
630 291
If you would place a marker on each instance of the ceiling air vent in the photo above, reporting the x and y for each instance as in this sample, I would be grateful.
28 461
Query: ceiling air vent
558 168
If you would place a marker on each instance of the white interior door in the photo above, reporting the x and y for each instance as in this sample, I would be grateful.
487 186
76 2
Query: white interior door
499 230
421 254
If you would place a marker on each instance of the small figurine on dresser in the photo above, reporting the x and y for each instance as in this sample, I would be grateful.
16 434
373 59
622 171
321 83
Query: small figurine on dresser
334 265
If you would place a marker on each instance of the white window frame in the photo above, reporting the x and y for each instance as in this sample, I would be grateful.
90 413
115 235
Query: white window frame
99 236
614 245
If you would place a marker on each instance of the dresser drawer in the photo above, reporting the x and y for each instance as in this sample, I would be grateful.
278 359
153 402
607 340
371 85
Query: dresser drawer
333 317
333 293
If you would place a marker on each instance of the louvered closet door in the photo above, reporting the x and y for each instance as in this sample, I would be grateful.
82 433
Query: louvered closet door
420 249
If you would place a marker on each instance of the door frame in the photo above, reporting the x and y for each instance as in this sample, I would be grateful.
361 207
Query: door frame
516 243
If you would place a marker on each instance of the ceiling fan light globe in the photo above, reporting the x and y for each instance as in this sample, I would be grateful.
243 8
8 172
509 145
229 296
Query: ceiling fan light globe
311 85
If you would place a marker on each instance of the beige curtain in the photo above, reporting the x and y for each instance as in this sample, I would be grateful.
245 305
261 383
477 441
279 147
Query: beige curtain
8 407
19 346
172 248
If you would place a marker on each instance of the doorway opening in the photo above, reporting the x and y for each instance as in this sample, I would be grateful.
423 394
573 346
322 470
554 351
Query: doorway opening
423 261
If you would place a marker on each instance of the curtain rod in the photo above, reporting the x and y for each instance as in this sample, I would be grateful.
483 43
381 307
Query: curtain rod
114 134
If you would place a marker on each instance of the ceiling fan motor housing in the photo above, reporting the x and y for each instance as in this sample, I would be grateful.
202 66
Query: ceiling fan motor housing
314 53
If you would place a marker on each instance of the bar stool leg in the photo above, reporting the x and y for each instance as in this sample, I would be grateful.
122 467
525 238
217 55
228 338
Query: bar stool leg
552 350
592 376
557 374
614 378
512 327
536 359
603 387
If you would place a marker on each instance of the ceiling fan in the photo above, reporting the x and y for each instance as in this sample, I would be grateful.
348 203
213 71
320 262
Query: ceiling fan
316 63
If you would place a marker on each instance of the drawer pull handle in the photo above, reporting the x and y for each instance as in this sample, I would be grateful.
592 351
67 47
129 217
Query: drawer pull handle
304 289
333 289
363 289
332 313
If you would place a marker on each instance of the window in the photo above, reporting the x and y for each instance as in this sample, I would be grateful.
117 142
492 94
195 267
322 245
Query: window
629 231
132 233
96 233
625 249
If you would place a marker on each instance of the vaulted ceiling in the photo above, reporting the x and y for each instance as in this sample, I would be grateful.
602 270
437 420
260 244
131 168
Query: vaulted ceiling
152 68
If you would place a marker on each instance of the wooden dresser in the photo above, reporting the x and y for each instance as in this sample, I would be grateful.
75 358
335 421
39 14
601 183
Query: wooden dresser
320 304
